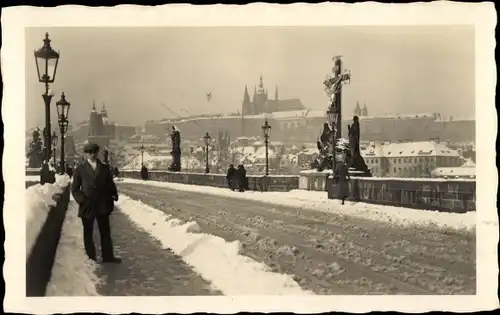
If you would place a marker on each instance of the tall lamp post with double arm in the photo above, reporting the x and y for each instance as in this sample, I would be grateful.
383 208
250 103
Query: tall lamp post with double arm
54 146
62 114
206 139
266 129
46 60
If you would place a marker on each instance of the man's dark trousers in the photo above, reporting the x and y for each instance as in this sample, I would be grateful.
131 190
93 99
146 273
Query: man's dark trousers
104 231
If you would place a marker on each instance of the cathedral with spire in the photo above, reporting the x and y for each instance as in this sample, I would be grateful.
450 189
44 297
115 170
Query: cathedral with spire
261 103
360 112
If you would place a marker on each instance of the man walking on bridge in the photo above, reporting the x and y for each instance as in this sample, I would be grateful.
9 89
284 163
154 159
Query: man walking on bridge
94 190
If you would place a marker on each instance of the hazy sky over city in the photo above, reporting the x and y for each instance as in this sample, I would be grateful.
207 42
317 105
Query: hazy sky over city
395 69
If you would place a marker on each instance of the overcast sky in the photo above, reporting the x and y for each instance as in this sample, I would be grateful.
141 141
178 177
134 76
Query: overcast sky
133 70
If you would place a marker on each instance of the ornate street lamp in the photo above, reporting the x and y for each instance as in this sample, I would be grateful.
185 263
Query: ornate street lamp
46 60
142 155
266 129
206 139
62 114
105 155
54 145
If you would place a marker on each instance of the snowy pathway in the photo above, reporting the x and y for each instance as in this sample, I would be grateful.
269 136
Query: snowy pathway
147 269
327 253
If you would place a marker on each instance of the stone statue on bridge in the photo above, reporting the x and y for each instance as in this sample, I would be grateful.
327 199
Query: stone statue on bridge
356 162
35 151
325 147
175 136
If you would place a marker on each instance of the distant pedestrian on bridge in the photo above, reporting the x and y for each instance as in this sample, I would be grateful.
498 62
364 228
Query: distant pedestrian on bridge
231 172
342 171
241 178
144 172
69 169
94 190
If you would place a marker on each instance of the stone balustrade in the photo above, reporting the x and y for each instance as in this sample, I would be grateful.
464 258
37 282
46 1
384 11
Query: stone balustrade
454 195
255 182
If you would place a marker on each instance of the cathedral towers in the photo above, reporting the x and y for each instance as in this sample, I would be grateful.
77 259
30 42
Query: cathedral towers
360 112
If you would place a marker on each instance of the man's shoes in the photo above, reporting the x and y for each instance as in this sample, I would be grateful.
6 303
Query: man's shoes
112 260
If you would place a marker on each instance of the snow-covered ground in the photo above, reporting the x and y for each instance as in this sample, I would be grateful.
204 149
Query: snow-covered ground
73 273
38 202
212 257
318 201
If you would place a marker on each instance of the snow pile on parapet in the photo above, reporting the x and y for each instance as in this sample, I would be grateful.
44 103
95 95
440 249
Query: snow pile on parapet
39 199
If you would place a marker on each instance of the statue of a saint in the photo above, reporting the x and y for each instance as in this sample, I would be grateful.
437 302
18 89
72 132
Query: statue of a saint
356 161
354 137
35 150
175 136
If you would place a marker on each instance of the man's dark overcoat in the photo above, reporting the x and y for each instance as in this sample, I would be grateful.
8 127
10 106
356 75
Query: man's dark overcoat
94 191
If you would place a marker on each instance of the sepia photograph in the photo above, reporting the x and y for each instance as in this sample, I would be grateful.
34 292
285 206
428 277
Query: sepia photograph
252 160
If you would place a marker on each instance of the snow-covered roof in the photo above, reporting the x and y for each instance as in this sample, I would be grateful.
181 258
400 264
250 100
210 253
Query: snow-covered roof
468 163
409 149
398 116
260 153
454 172
309 151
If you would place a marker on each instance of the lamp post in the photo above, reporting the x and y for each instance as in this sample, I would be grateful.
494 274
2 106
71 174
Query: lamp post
106 155
62 115
46 60
266 129
54 145
142 155
206 138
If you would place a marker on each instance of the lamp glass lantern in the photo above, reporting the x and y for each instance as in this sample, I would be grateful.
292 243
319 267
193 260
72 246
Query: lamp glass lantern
63 126
46 60
206 139
54 139
63 108
266 129
332 117
142 148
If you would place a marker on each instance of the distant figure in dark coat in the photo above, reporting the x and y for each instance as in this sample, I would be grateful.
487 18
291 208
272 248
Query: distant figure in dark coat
94 190
342 172
144 173
69 170
116 172
231 172
241 177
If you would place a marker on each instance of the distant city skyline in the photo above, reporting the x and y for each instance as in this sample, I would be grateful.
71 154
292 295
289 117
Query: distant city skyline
395 69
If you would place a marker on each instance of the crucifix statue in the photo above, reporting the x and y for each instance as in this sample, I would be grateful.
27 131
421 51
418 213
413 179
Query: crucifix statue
332 130
333 87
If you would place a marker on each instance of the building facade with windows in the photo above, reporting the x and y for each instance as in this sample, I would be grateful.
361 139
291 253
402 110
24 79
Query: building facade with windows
409 159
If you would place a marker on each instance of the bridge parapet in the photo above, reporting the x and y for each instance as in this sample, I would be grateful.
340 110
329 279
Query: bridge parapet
450 195
255 182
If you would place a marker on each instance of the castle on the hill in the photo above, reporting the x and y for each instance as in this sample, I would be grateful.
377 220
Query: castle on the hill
261 103
100 129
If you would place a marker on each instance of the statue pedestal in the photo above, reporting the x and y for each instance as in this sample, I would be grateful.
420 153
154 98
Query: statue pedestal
359 173
358 168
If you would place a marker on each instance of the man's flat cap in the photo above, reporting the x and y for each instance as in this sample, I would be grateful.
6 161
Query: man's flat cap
91 148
